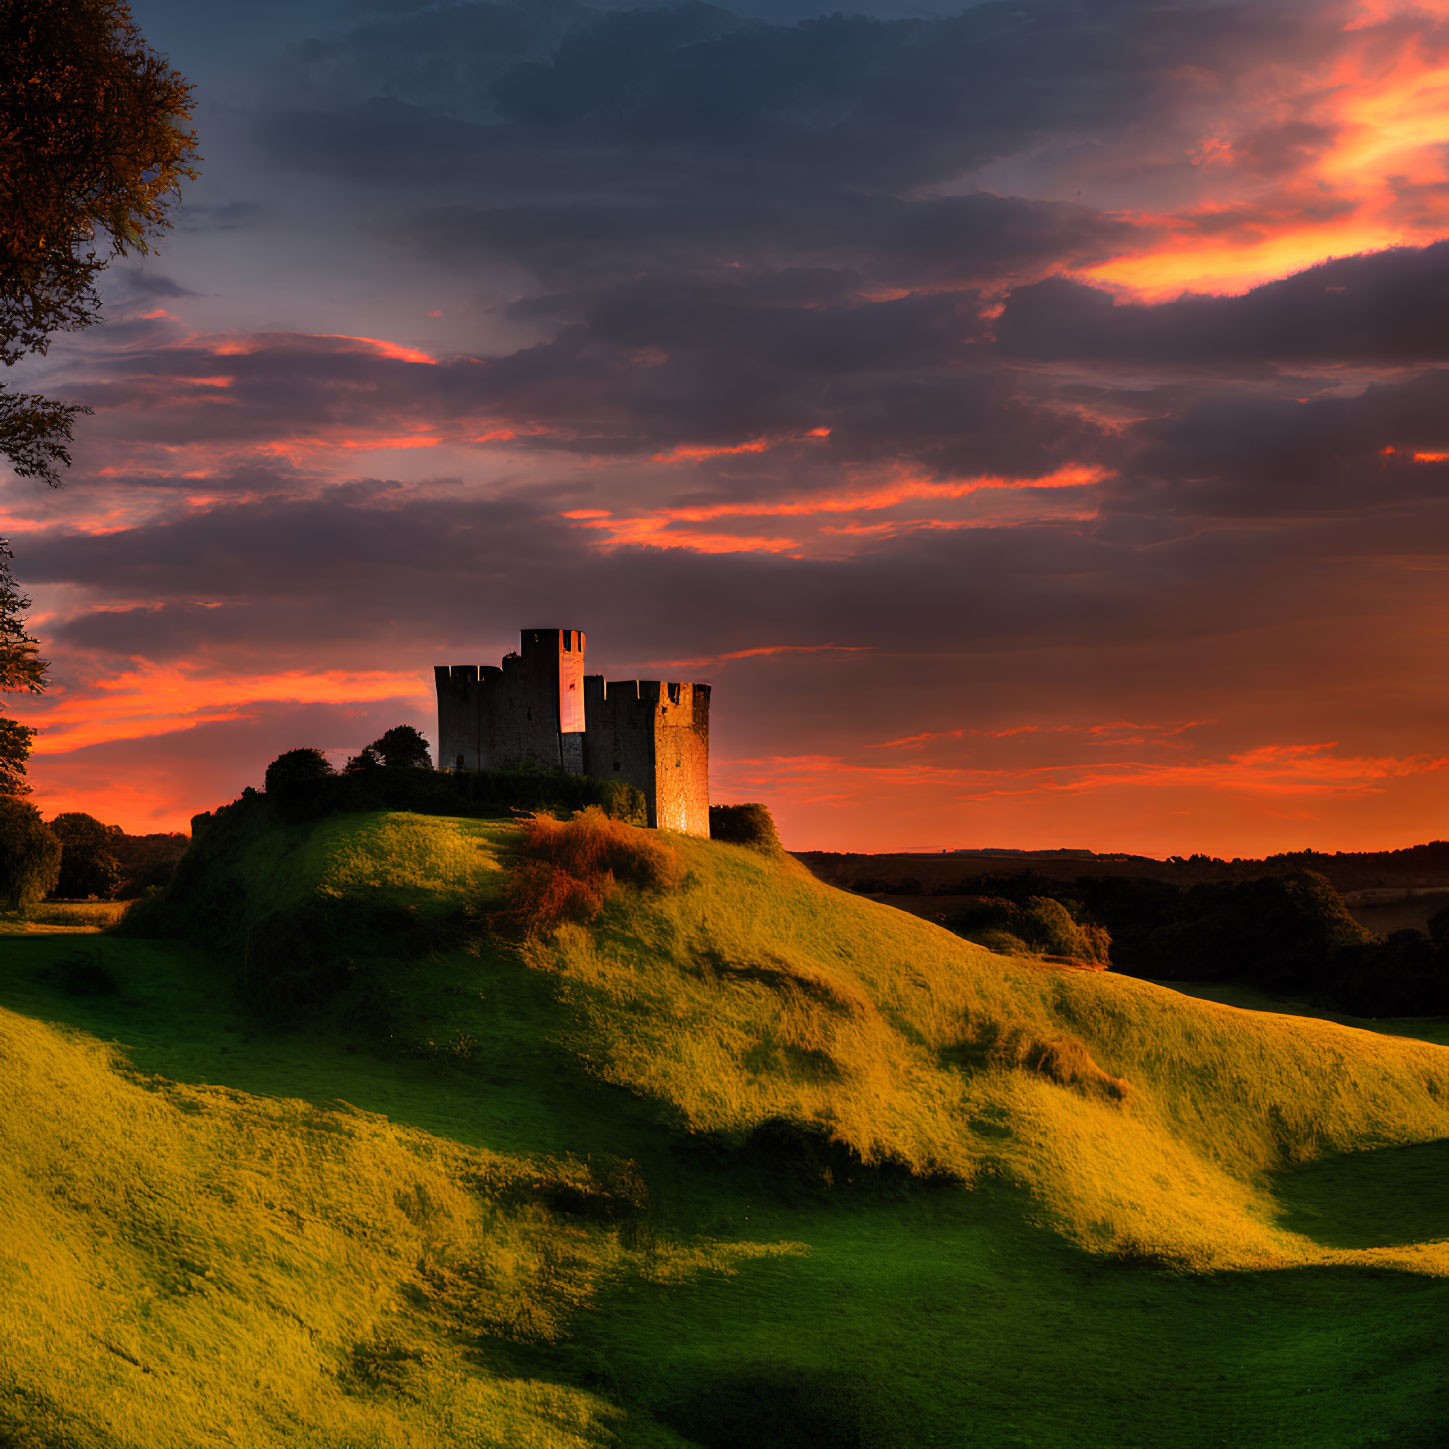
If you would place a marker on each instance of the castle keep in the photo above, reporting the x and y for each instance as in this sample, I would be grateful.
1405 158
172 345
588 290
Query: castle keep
540 705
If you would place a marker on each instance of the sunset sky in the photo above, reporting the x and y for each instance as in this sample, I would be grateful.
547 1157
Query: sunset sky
1033 418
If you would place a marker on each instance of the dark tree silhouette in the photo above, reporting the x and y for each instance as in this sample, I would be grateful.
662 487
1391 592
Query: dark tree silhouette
89 864
29 855
297 781
402 747
93 147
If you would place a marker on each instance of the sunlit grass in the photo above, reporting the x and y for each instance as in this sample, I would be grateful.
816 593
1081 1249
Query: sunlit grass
756 993
405 855
188 1264
560 1233
61 916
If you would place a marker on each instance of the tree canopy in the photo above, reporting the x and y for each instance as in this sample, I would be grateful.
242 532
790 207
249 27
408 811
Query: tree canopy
29 855
89 865
94 143
401 747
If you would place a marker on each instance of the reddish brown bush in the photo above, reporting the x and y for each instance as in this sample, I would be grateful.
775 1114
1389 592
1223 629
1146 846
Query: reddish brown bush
572 867
542 896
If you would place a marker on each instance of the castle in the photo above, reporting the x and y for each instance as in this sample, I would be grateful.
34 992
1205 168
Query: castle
540 705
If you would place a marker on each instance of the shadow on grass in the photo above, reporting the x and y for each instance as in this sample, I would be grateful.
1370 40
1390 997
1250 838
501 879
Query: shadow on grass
955 1321
1378 1199
773 1406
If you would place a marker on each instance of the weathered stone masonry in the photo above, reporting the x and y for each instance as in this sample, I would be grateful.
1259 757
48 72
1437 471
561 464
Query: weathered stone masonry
539 705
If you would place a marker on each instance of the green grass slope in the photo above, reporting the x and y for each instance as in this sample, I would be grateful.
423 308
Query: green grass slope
745 1162
1142 1121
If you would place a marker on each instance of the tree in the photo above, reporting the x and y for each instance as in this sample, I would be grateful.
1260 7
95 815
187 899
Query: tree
402 747
297 783
89 865
29 855
364 762
93 147
21 668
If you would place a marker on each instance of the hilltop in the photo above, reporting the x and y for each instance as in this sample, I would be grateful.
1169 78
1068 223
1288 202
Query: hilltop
330 1148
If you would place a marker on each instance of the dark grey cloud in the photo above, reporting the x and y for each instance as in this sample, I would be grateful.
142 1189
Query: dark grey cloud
1243 454
576 245
648 369
589 145
220 216
400 564
1388 307
893 102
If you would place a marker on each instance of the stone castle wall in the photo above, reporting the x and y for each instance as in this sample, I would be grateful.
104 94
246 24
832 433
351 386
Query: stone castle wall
540 706
493 716
656 736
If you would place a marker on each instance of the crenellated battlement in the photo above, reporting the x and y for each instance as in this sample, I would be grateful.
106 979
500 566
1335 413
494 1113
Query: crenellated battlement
539 705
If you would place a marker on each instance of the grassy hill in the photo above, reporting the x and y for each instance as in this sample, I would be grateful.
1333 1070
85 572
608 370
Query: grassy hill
328 1151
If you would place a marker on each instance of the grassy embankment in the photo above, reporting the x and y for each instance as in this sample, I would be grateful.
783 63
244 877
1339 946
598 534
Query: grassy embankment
694 1173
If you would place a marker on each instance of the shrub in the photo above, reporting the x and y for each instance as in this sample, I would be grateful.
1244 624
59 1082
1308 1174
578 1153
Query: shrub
571 867
750 824
542 896
1037 926
29 855
1058 932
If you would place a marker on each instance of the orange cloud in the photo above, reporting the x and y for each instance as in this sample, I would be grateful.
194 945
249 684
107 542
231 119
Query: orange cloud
1112 732
755 445
394 350
1381 105
657 531
295 450
1251 802
157 699
258 342
1269 769
761 651
660 527
696 455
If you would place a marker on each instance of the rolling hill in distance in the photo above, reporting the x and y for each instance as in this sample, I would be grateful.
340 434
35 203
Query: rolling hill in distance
390 1129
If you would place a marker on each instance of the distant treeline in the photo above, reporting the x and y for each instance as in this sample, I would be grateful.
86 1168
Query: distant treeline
1288 934
949 873
77 857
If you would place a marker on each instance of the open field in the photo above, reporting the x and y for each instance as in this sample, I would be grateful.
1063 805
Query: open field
745 1161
